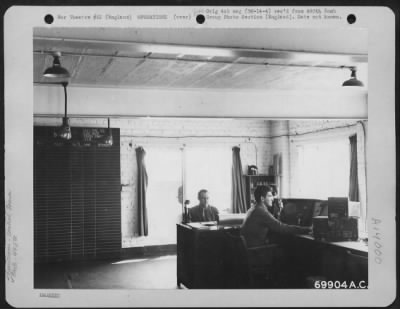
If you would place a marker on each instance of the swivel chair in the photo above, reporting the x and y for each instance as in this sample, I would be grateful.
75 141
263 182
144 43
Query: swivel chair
249 267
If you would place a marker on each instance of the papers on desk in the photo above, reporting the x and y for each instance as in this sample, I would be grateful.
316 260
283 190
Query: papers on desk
354 245
231 219
203 225
210 223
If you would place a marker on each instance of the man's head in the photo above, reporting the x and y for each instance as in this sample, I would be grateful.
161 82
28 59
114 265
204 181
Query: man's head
203 197
274 190
264 195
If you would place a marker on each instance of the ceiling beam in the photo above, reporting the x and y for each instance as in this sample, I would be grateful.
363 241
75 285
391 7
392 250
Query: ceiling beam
43 44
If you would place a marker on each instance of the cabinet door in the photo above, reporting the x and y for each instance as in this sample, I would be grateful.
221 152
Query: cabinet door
209 260
185 256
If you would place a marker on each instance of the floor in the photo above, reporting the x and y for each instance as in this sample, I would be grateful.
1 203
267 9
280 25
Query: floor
144 273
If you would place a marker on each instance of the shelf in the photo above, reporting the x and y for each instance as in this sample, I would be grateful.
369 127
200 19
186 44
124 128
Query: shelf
260 175
269 184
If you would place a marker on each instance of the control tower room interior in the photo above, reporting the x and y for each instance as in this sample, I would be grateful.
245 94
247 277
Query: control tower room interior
199 159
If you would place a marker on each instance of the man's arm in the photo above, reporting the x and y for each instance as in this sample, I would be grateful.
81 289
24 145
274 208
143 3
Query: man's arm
279 227
190 214
216 214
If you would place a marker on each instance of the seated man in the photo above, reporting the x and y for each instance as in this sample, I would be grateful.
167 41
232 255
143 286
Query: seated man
203 211
257 229
259 221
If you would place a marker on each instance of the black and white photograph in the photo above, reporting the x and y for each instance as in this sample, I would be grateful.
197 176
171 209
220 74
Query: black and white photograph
201 159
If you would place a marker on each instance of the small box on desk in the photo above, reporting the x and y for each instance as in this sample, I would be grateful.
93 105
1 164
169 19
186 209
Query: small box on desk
337 229
343 229
320 227
338 207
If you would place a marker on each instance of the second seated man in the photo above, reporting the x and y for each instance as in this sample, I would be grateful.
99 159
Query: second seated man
203 212
259 221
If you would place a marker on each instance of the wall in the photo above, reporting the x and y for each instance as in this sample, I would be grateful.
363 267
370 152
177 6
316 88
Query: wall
284 132
129 108
90 101
306 131
280 145
259 141
250 135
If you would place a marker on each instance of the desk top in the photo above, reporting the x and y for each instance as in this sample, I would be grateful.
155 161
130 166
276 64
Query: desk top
352 245
359 246
206 226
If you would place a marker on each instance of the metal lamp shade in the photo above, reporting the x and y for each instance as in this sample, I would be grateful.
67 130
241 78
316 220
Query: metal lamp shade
56 71
353 81
108 139
65 130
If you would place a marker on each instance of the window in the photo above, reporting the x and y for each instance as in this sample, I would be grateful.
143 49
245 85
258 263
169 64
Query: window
164 169
206 167
209 167
322 169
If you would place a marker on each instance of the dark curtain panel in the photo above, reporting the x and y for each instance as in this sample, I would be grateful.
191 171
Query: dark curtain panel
142 228
76 196
353 188
238 187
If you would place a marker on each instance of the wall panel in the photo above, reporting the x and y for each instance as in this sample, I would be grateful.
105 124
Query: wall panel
77 199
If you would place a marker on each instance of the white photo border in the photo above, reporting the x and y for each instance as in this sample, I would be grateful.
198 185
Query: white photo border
19 22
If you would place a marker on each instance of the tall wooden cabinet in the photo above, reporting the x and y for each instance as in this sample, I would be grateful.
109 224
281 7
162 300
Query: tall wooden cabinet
76 196
252 181
200 257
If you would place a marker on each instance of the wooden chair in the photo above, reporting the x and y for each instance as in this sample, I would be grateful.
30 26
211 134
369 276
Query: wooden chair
248 267
356 268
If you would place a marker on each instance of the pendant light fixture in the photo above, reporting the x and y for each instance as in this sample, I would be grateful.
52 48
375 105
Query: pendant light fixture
64 131
56 71
108 139
353 81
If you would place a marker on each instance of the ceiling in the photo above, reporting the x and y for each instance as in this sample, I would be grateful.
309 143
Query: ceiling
262 59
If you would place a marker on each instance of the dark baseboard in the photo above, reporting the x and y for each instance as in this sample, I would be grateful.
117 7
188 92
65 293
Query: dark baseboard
148 251
124 253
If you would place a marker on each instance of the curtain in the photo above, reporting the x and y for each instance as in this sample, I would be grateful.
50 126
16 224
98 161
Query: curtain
353 183
142 227
238 188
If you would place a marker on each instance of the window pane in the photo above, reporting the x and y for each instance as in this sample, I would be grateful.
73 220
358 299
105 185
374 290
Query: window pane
324 169
209 168
164 179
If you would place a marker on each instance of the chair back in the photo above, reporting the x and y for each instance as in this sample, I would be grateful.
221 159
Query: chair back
249 267
237 268
356 267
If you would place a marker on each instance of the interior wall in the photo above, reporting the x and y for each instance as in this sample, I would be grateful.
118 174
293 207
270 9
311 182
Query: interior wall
250 135
286 104
306 131
280 145
130 108
284 132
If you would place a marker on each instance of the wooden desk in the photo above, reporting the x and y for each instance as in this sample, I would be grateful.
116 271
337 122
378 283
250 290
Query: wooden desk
356 247
201 253
333 261
200 256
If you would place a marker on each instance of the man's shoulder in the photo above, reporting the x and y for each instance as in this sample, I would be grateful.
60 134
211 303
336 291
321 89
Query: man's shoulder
194 208
198 208
260 210
213 208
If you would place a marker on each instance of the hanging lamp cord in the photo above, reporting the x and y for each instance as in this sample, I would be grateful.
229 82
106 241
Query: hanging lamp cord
65 96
